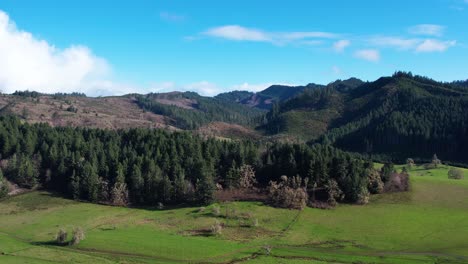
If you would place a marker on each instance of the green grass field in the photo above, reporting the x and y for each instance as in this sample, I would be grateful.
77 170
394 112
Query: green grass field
429 224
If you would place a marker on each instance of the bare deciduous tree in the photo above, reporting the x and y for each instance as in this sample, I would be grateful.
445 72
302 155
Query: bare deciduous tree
78 236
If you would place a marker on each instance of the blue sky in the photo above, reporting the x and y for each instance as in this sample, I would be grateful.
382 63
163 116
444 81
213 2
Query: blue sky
115 47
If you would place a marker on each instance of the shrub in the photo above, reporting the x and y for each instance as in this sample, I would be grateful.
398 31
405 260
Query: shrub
376 184
436 161
430 166
78 236
410 163
267 249
387 171
363 196
334 192
456 174
289 193
255 222
119 194
247 177
216 228
216 210
398 182
160 206
61 236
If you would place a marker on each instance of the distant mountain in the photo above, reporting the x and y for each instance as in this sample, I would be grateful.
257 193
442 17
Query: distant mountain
400 116
266 98
235 96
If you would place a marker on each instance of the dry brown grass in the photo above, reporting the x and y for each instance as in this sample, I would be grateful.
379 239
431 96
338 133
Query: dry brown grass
102 112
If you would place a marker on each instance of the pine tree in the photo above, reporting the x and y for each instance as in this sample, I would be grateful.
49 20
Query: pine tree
75 186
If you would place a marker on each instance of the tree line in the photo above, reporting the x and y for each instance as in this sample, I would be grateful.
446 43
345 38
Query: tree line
148 167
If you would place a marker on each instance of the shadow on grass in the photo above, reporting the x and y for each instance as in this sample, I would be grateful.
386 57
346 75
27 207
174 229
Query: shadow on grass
49 243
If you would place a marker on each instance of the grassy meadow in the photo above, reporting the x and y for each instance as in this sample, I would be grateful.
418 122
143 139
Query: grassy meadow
429 224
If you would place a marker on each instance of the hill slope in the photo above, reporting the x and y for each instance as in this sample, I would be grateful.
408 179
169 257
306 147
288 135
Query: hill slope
400 116
266 98
80 111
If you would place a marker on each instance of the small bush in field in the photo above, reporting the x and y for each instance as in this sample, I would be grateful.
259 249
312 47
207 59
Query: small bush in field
78 236
255 222
61 236
456 174
216 210
216 228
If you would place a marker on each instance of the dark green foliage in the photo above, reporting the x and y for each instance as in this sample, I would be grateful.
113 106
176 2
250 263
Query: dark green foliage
205 110
3 185
387 171
148 167
23 171
393 117
235 96
318 163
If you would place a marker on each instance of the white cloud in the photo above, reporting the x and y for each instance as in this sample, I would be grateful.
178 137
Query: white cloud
368 54
397 42
251 87
204 88
340 45
29 63
427 29
171 17
239 33
434 45
414 44
235 32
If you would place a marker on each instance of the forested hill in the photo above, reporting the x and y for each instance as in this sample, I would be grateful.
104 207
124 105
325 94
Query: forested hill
400 116
190 111
267 98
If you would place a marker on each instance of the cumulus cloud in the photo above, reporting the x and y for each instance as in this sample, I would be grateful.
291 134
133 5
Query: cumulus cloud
239 33
29 63
434 45
427 29
368 54
340 45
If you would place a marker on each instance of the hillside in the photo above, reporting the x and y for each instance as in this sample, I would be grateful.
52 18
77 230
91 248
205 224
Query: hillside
266 98
189 110
400 116
172 111
80 111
